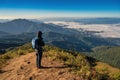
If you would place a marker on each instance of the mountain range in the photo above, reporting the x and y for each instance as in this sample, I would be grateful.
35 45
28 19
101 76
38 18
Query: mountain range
20 31
19 26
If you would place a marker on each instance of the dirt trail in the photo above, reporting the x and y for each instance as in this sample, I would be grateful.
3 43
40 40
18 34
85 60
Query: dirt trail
23 68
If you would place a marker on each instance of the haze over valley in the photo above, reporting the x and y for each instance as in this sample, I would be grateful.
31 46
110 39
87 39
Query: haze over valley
105 30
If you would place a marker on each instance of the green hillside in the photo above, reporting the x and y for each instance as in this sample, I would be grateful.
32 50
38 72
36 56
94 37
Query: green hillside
79 64
107 54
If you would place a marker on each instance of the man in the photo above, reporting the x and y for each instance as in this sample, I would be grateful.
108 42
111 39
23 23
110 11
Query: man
37 44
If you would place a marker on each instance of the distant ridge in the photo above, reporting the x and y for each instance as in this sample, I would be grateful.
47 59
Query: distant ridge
16 26
19 26
2 33
4 20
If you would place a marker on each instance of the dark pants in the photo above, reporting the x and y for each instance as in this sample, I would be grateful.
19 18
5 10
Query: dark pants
38 58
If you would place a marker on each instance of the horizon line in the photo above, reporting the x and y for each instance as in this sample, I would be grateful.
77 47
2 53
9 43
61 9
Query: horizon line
55 17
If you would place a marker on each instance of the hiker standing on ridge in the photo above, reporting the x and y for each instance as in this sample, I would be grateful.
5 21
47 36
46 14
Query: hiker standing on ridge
37 44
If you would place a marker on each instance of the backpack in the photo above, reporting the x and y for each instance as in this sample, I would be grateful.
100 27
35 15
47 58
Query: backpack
35 44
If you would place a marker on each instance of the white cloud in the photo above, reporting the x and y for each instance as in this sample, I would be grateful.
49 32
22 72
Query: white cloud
105 30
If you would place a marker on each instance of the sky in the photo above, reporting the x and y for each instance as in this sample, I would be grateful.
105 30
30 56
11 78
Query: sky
59 8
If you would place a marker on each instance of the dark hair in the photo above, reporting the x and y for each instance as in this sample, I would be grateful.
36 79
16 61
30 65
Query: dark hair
39 34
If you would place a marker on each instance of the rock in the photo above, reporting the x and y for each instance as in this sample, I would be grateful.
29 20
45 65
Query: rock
30 78
28 62
21 67
60 73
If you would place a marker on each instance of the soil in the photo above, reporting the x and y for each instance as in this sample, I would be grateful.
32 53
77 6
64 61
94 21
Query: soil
24 68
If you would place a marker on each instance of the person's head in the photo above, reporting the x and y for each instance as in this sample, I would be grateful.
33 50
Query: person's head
39 34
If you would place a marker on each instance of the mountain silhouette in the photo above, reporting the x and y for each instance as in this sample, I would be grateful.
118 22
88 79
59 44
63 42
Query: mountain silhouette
18 26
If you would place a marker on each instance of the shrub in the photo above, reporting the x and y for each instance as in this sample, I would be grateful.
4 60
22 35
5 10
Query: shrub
117 76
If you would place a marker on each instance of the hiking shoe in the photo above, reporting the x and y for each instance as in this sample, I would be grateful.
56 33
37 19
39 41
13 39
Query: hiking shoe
37 68
41 67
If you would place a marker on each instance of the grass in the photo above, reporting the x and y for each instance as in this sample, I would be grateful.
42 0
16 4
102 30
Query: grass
104 68
79 64
82 65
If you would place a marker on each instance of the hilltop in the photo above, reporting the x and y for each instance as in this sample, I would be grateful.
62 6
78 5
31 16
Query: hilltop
23 68
58 64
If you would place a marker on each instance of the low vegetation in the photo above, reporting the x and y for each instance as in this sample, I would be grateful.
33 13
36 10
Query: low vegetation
79 64
84 66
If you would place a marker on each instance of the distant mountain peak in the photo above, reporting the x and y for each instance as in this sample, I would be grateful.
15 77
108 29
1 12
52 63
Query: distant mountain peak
20 20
